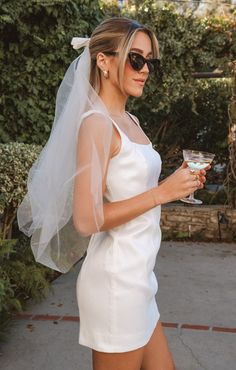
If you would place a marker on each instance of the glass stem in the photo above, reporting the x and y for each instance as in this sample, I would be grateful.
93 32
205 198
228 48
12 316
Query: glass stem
191 196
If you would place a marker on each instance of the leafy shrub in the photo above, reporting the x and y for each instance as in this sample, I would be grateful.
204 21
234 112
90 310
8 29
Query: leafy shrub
21 279
35 52
15 161
35 44
204 129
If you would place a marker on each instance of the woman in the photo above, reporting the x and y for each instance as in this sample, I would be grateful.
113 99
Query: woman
116 286
95 184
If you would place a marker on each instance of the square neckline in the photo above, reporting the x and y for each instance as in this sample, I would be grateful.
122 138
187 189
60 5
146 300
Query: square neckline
134 142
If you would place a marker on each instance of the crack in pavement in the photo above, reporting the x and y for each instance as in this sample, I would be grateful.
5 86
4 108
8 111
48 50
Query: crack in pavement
190 350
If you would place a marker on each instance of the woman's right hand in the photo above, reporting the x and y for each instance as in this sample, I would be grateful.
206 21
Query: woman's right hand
178 185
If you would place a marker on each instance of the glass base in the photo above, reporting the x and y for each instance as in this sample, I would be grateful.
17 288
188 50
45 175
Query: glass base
191 200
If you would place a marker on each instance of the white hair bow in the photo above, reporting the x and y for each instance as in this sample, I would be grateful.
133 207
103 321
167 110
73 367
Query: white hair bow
79 42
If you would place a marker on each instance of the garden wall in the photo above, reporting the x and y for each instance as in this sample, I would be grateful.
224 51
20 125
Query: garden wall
203 222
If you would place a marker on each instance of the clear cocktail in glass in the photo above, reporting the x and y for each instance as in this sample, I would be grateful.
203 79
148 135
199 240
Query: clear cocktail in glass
196 161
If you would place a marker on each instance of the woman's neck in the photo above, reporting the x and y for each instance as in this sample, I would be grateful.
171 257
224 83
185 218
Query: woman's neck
114 101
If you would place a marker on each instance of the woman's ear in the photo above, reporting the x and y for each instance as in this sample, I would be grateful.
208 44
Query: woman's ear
102 62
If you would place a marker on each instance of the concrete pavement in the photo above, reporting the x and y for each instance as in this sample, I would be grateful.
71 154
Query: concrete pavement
196 300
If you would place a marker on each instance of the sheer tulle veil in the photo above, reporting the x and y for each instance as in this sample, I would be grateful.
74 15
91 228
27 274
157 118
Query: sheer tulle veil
72 155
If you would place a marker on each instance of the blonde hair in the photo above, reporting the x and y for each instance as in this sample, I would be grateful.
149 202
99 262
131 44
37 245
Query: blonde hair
111 34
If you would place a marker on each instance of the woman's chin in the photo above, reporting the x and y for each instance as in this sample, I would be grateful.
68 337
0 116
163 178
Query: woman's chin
136 92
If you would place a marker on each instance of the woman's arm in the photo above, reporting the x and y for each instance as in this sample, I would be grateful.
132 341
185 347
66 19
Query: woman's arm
177 186
120 212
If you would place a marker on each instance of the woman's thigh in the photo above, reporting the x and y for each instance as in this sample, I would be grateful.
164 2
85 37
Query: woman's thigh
131 360
157 355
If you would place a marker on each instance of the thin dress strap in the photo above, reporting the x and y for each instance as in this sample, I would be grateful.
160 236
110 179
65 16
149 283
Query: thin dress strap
126 136
116 125
133 118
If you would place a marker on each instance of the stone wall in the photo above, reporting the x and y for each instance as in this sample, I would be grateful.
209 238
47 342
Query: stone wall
203 222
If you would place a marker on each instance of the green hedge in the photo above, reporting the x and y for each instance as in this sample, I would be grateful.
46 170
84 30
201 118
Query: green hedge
35 51
35 44
21 277
16 160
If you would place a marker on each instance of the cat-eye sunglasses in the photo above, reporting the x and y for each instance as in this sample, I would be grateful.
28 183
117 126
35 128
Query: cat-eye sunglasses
137 61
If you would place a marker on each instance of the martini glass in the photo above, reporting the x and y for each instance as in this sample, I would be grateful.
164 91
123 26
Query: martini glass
196 161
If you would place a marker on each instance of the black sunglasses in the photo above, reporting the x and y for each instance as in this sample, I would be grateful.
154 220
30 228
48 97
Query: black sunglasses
137 61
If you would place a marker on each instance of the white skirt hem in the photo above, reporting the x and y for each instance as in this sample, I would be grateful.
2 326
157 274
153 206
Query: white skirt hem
118 348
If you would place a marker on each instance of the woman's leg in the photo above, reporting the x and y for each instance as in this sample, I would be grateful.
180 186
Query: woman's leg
131 360
157 355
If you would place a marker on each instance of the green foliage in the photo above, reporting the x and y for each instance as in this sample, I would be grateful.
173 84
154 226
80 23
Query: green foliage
188 44
16 160
21 278
26 276
7 299
35 52
204 129
230 181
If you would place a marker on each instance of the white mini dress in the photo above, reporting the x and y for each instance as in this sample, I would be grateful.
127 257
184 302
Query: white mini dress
116 285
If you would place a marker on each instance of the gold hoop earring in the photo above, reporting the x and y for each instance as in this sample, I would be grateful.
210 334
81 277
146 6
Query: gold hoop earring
106 74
